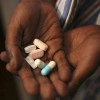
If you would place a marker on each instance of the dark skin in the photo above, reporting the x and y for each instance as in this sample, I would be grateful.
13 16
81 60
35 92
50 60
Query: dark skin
36 19
82 48
24 28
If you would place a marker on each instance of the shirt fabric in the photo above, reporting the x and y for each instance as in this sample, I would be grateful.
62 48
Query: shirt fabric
75 13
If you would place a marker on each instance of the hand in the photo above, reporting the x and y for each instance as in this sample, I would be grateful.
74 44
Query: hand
82 47
36 19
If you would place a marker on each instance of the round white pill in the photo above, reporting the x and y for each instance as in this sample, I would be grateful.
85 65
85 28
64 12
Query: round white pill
41 45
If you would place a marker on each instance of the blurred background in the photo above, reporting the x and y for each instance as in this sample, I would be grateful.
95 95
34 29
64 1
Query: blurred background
11 87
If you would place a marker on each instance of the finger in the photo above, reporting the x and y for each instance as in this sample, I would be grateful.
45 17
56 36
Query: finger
60 86
84 69
63 66
58 55
28 80
47 90
4 56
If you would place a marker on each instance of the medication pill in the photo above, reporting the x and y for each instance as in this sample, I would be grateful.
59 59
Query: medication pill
48 68
38 53
31 62
40 63
41 45
29 48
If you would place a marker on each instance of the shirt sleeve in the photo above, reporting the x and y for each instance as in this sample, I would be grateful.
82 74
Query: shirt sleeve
66 10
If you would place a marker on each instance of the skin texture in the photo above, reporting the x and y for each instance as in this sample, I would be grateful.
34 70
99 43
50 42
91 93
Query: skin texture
32 20
36 19
82 48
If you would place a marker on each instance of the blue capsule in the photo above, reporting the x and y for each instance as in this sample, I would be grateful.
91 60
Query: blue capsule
45 71
48 68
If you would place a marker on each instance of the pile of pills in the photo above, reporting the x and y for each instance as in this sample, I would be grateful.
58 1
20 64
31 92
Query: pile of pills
35 52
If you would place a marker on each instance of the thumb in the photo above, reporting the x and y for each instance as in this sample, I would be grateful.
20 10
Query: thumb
13 41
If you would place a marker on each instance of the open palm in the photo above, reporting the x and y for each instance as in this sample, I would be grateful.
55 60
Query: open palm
82 47
35 19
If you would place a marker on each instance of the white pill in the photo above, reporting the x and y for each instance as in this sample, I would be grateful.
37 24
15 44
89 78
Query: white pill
41 45
40 63
29 48
48 68
31 62
38 53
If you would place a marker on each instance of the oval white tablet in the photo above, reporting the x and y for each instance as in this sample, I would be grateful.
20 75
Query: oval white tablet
41 45
31 62
29 48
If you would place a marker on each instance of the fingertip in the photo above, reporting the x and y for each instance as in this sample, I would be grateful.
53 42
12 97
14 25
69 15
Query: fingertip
10 68
4 56
13 66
